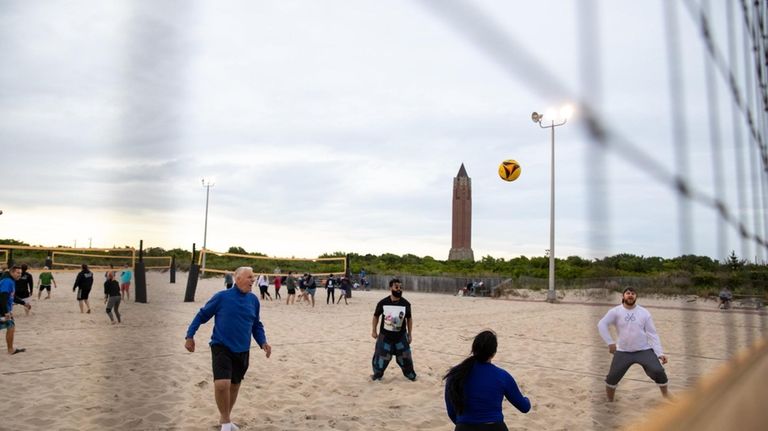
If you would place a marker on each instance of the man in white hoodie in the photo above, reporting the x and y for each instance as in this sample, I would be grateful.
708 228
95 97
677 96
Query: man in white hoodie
638 343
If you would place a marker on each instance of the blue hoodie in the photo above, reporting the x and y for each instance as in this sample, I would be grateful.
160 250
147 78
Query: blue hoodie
8 287
236 319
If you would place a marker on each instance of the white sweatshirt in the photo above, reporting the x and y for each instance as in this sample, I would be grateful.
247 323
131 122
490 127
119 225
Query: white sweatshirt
635 328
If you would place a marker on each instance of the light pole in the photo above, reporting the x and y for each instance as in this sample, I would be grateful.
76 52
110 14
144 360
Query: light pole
550 121
207 183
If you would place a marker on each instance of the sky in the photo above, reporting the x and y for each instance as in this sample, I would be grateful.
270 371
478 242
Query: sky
339 126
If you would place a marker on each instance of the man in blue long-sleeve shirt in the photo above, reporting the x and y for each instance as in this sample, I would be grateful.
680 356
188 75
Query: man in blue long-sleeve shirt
236 313
7 298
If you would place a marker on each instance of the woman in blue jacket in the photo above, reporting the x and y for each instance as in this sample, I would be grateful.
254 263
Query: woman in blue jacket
475 389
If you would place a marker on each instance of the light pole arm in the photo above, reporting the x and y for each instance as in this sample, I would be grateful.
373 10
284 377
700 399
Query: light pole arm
552 125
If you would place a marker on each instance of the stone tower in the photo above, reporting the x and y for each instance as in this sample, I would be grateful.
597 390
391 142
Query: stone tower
461 233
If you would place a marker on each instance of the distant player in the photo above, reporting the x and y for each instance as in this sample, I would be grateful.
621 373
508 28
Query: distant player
346 290
290 285
638 343
330 287
303 288
25 287
44 283
112 297
83 284
311 286
125 284
263 283
278 283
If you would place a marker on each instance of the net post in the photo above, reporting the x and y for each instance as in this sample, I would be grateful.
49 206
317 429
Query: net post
194 272
140 276
10 258
49 260
173 269
346 265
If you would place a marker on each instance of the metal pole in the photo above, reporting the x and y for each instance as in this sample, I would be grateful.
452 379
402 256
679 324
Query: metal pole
205 231
551 293
189 293
538 119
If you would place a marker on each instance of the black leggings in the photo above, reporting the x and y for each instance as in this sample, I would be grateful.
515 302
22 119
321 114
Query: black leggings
498 426
330 296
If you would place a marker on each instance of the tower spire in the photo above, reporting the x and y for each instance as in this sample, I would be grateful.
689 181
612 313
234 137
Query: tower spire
461 230
462 172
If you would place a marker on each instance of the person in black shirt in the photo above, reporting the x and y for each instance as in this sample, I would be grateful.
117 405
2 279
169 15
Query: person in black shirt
24 287
112 296
395 333
83 284
346 290
330 287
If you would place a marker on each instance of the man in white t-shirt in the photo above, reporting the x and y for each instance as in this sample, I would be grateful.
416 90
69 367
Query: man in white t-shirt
638 343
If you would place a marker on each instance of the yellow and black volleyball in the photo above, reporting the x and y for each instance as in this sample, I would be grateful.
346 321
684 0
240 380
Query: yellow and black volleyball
509 170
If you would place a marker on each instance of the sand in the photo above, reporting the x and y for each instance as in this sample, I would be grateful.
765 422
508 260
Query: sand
81 373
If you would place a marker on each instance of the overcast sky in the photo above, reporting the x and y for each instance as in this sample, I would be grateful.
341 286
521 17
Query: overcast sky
339 125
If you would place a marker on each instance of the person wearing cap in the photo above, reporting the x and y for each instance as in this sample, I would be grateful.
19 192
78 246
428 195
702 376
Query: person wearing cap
638 343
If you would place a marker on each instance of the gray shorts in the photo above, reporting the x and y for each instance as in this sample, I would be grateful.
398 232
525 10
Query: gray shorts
112 302
646 358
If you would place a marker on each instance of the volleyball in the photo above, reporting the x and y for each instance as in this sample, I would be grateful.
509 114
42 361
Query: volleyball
509 170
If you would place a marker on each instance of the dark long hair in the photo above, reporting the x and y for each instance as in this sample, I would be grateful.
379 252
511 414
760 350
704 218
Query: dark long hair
483 348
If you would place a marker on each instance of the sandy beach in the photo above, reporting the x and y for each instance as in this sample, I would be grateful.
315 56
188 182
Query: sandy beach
81 373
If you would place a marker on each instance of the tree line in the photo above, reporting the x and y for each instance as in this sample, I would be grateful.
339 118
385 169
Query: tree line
700 272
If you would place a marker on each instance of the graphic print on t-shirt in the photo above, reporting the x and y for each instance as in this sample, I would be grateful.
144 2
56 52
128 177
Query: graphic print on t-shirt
394 315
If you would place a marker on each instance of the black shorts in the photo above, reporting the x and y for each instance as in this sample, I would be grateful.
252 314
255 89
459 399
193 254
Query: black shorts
291 291
44 287
82 293
228 364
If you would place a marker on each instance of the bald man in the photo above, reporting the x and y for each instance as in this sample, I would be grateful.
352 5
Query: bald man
237 319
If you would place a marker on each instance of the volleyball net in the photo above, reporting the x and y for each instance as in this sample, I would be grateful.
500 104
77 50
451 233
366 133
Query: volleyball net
68 259
102 259
157 262
219 262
